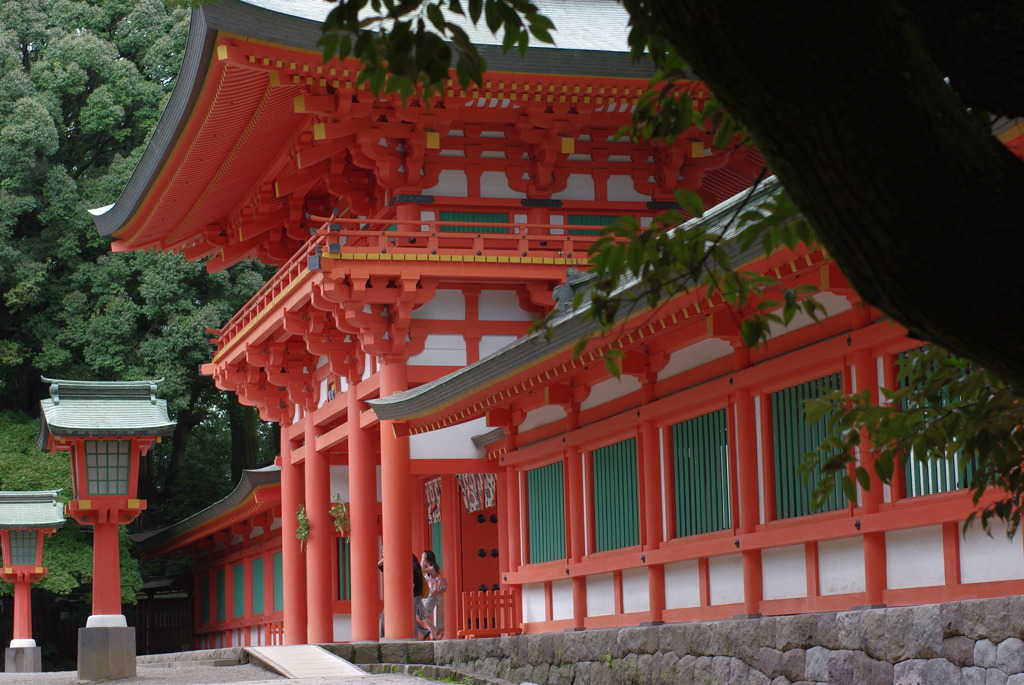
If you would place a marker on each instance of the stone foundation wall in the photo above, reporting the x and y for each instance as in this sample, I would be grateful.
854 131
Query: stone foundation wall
961 643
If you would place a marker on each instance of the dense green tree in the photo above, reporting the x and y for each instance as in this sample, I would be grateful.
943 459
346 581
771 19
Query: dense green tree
82 83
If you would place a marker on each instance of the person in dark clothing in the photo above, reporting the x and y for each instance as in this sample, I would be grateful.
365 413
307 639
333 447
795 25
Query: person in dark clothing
417 592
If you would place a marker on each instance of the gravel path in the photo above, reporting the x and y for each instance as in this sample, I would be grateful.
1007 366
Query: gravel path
245 674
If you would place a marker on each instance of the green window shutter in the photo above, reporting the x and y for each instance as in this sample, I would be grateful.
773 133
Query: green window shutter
616 496
204 599
238 610
278 584
222 599
257 586
545 499
344 570
928 475
23 547
701 451
482 217
583 220
437 542
794 438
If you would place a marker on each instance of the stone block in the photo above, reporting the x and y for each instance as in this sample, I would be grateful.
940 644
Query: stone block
798 631
394 652
674 637
995 619
769 662
855 668
1015 679
638 640
985 653
972 675
850 630
958 650
993 676
924 671
794 663
23 660
1010 655
106 653
420 653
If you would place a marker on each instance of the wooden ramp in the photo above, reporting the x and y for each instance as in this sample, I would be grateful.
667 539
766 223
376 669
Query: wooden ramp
303 661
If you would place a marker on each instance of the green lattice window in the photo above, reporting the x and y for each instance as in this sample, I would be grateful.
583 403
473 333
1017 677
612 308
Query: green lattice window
929 475
23 547
257 586
278 583
344 569
481 217
238 590
583 220
794 437
107 465
222 595
546 503
701 458
437 542
616 496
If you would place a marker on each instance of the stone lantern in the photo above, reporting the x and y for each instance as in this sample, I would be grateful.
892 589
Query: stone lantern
106 427
25 519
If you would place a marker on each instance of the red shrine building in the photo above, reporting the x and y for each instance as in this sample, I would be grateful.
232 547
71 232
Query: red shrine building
416 243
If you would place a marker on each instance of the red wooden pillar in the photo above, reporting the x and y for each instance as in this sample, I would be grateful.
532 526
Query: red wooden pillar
293 571
23 611
746 443
874 543
320 543
451 544
362 493
397 512
106 583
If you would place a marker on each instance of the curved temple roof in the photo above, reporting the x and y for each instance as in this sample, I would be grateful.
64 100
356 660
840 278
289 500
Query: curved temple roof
103 409
590 39
30 510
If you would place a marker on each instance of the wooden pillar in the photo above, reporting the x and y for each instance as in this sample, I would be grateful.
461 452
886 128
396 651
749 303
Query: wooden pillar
106 565
362 494
293 571
746 442
874 543
320 543
397 513
22 609
451 544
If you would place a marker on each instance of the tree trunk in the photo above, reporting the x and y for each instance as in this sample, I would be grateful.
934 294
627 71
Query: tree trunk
244 439
918 203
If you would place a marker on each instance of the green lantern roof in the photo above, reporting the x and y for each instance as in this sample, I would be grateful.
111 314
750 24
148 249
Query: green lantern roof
103 409
30 510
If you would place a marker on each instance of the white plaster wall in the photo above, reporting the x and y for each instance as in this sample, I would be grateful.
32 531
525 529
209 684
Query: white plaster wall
841 566
446 305
784 572
834 304
636 593
449 182
489 344
693 356
682 584
611 389
578 187
620 189
441 350
985 558
533 603
561 599
501 305
913 557
339 482
725 577
494 184
600 594
542 417
342 627
452 442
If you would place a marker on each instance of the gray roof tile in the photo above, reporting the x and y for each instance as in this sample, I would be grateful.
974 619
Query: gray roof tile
30 509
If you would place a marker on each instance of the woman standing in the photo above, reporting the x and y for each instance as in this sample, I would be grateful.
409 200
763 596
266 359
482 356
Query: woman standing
437 585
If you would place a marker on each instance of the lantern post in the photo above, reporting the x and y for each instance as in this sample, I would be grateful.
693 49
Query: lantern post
106 427
26 518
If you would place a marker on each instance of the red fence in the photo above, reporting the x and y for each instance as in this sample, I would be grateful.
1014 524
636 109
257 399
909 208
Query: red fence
489 614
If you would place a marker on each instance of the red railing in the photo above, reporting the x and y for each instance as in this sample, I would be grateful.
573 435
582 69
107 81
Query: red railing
489 614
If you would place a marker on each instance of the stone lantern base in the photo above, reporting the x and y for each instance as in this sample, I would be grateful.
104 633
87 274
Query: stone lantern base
23 657
106 652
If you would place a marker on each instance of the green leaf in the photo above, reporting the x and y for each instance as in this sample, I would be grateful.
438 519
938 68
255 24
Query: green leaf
691 202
